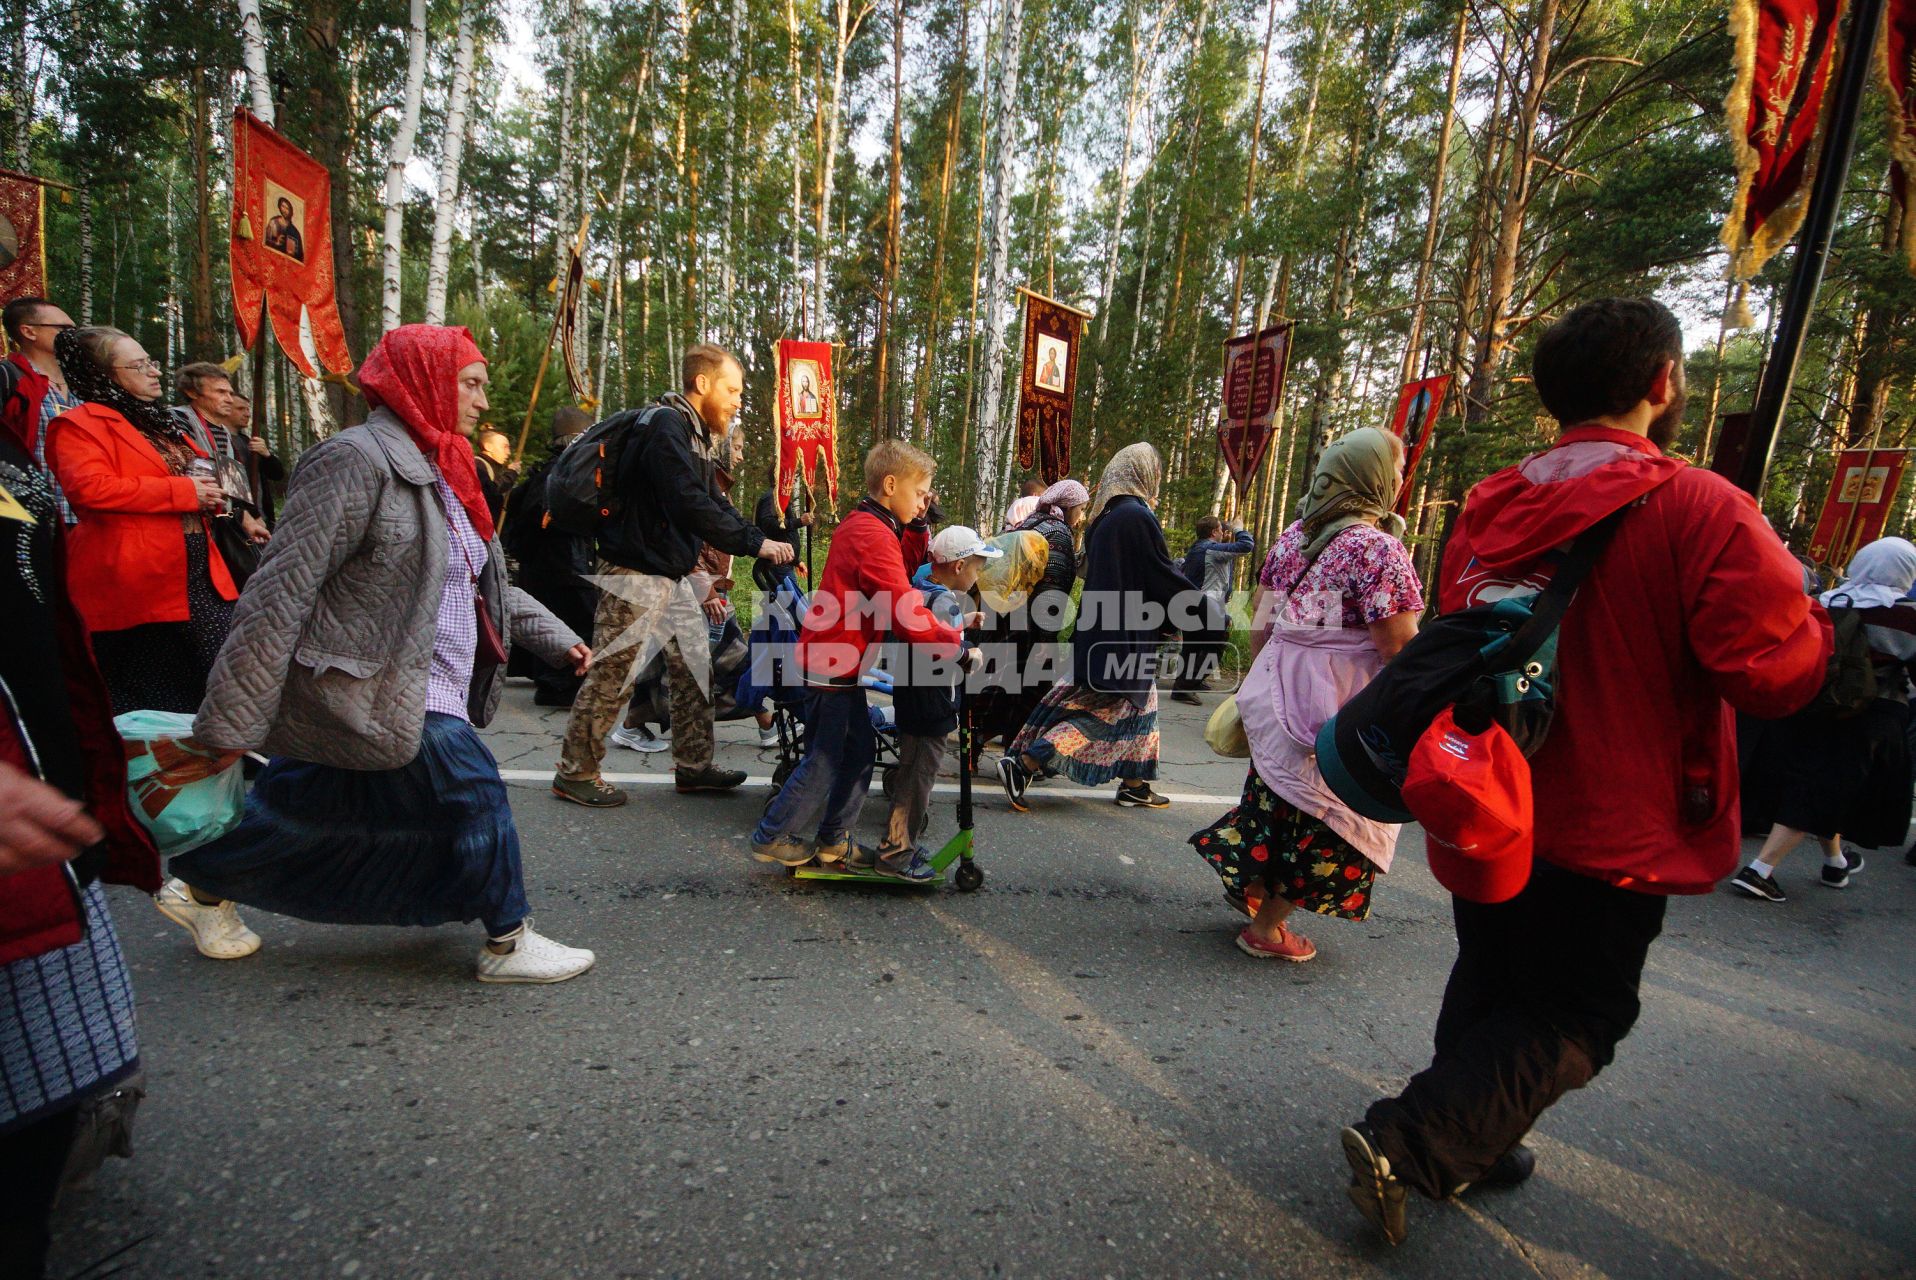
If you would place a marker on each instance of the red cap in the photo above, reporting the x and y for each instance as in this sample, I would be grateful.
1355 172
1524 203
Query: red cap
1471 793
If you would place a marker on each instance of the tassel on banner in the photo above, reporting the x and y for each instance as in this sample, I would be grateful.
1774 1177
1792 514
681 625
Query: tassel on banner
1739 315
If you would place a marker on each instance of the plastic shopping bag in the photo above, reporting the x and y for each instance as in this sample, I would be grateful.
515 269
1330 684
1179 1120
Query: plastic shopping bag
184 793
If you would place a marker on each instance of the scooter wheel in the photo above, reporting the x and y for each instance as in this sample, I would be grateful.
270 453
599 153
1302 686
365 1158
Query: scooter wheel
968 877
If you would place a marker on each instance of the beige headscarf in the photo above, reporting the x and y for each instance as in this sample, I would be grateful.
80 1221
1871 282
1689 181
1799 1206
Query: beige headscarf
1135 469
1355 483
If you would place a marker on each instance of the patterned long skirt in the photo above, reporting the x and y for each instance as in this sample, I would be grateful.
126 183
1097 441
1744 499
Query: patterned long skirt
1266 840
1092 737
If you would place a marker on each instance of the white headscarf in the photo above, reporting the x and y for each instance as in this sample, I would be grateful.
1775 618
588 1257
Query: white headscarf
1135 469
1879 576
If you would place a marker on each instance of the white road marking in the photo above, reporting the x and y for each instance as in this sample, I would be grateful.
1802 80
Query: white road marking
979 789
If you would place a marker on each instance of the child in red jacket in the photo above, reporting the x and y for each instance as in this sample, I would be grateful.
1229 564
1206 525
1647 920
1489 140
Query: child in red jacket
864 595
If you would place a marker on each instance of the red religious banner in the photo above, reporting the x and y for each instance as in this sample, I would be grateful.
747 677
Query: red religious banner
23 249
283 245
1414 422
807 412
1861 494
1254 368
1049 385
1898 68
1784 52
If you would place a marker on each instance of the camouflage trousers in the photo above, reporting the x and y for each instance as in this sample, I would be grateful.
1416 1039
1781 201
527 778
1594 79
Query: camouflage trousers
601 700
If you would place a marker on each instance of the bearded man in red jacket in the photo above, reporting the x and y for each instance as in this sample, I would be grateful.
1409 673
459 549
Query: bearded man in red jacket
1693 609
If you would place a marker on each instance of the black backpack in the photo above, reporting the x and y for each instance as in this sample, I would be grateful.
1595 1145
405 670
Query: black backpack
1850 681
581 492
1490 662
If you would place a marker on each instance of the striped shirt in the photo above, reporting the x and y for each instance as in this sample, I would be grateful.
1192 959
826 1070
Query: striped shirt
455 640
55 403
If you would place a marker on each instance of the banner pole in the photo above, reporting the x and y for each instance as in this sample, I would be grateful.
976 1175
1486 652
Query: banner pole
1812 247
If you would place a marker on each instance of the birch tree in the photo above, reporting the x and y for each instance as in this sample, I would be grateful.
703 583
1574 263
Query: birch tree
451 153
396 163
992 432
849 21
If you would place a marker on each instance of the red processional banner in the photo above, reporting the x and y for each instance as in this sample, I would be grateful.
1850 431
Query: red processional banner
1897 67
23 247
807 409
1785 52
1414 422
1254 369
1049 386
1861 494
282 247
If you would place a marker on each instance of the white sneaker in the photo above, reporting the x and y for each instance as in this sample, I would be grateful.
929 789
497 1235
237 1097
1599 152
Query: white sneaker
535 958
217 931
768 736
639 739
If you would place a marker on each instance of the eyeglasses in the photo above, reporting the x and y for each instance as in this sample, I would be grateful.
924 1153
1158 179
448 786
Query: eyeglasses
148 365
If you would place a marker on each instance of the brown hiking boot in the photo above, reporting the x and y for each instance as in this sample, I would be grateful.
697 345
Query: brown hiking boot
593 793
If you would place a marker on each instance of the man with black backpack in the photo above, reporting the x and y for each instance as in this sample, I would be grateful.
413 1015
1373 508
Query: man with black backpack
1693 607
660 502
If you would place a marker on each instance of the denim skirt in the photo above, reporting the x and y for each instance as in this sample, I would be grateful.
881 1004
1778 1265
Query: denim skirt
428 843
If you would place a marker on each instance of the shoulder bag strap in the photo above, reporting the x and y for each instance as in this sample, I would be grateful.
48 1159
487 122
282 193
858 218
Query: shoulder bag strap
1554 601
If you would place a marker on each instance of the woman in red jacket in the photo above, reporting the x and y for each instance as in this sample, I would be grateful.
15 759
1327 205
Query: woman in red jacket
141 567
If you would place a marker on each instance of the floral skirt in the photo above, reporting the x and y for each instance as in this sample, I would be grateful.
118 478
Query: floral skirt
1293 855
1092 737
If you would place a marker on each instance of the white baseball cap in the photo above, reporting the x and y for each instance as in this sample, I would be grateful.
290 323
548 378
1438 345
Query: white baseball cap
957 542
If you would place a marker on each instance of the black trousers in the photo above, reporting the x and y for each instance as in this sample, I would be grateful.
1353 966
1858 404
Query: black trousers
1203 649
1544 988
31 1162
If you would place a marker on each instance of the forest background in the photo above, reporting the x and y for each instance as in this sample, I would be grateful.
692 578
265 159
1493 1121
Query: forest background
1421 186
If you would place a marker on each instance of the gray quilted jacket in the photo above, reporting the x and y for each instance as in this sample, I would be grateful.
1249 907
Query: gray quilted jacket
332 638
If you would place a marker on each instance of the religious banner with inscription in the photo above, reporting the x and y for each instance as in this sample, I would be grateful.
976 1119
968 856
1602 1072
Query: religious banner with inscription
1048 386
1898 70
23 249
1414 422
282 247
1254 368
1784 54
806 407
1857 508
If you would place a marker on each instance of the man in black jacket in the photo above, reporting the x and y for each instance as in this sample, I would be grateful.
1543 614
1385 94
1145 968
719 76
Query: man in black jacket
669 504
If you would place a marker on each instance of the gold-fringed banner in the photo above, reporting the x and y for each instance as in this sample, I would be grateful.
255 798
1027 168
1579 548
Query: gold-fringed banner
1048 386
1785 55
23 245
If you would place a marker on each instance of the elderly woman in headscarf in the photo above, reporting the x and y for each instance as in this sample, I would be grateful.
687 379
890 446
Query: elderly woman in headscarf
368 645
1102 724
1030 634
141 565
1338 597
1832 777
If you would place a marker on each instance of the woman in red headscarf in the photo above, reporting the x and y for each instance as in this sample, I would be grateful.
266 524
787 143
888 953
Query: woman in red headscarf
367 646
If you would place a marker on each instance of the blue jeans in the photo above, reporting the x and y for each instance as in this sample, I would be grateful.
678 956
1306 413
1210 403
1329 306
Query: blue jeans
828 787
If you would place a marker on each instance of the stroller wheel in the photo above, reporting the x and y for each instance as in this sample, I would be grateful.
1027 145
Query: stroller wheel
889 780
969 877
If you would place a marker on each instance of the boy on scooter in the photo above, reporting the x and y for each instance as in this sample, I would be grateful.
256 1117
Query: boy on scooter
864 594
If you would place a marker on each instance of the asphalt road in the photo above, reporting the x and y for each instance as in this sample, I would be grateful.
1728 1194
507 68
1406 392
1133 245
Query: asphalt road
1070 1073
